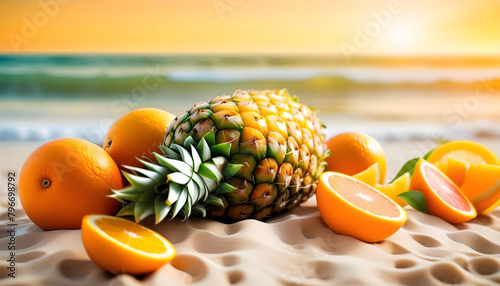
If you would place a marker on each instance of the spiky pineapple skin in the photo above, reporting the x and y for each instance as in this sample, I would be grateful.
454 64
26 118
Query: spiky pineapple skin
278 141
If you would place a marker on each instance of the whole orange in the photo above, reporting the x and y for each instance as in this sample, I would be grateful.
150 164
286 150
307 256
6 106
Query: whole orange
353 153
136 134
65 179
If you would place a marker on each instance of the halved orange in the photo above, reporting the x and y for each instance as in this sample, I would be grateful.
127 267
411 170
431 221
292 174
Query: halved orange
463 150
444 198
482 186
121 246
349 206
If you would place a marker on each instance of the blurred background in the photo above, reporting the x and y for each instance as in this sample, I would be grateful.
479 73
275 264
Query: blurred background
401 71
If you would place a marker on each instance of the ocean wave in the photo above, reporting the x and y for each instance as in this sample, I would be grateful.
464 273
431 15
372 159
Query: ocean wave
28 75
95 82
383 75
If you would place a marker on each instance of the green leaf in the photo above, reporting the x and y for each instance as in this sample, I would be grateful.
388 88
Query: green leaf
168 152
186 157
207 172
215 169
163 149
146 158
154 167
123 196
210 138
117 196
220 162
196 158
179 204
230 170
201 209
140 183
210 184
202 187
174 192
187 207
178 178
415 199
147 197
193 191
204 150
127 210
426 156
213 200
189 141
225 188
129 190
142 211
161 208
158 178
223 149
176 165
407 167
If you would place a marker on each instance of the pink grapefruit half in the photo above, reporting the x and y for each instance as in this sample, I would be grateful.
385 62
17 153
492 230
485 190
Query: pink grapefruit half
444 198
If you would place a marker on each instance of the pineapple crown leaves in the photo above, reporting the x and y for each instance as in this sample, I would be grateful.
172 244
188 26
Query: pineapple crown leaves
183 179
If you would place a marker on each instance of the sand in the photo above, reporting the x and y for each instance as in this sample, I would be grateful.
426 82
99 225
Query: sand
294 248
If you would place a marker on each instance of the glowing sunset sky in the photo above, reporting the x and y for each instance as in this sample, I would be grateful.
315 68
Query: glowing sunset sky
427 27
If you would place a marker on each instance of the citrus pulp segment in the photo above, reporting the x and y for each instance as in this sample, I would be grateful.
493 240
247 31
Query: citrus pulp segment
456 170
392 190
482 186
370 176
349 206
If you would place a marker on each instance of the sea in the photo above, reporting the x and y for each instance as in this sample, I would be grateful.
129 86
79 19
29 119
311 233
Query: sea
391 98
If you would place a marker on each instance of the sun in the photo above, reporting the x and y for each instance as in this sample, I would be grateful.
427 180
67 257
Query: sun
400 37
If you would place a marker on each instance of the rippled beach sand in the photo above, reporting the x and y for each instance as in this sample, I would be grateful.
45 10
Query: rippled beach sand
295 248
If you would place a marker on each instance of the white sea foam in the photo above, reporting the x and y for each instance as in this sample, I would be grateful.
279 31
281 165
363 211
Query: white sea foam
384 75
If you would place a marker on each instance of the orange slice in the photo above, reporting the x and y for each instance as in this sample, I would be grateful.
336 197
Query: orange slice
482 186
121 246
456 170
444 198
400 185
463 150
370 176
349 206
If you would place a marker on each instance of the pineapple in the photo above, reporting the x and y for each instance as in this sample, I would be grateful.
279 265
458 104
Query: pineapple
249 155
